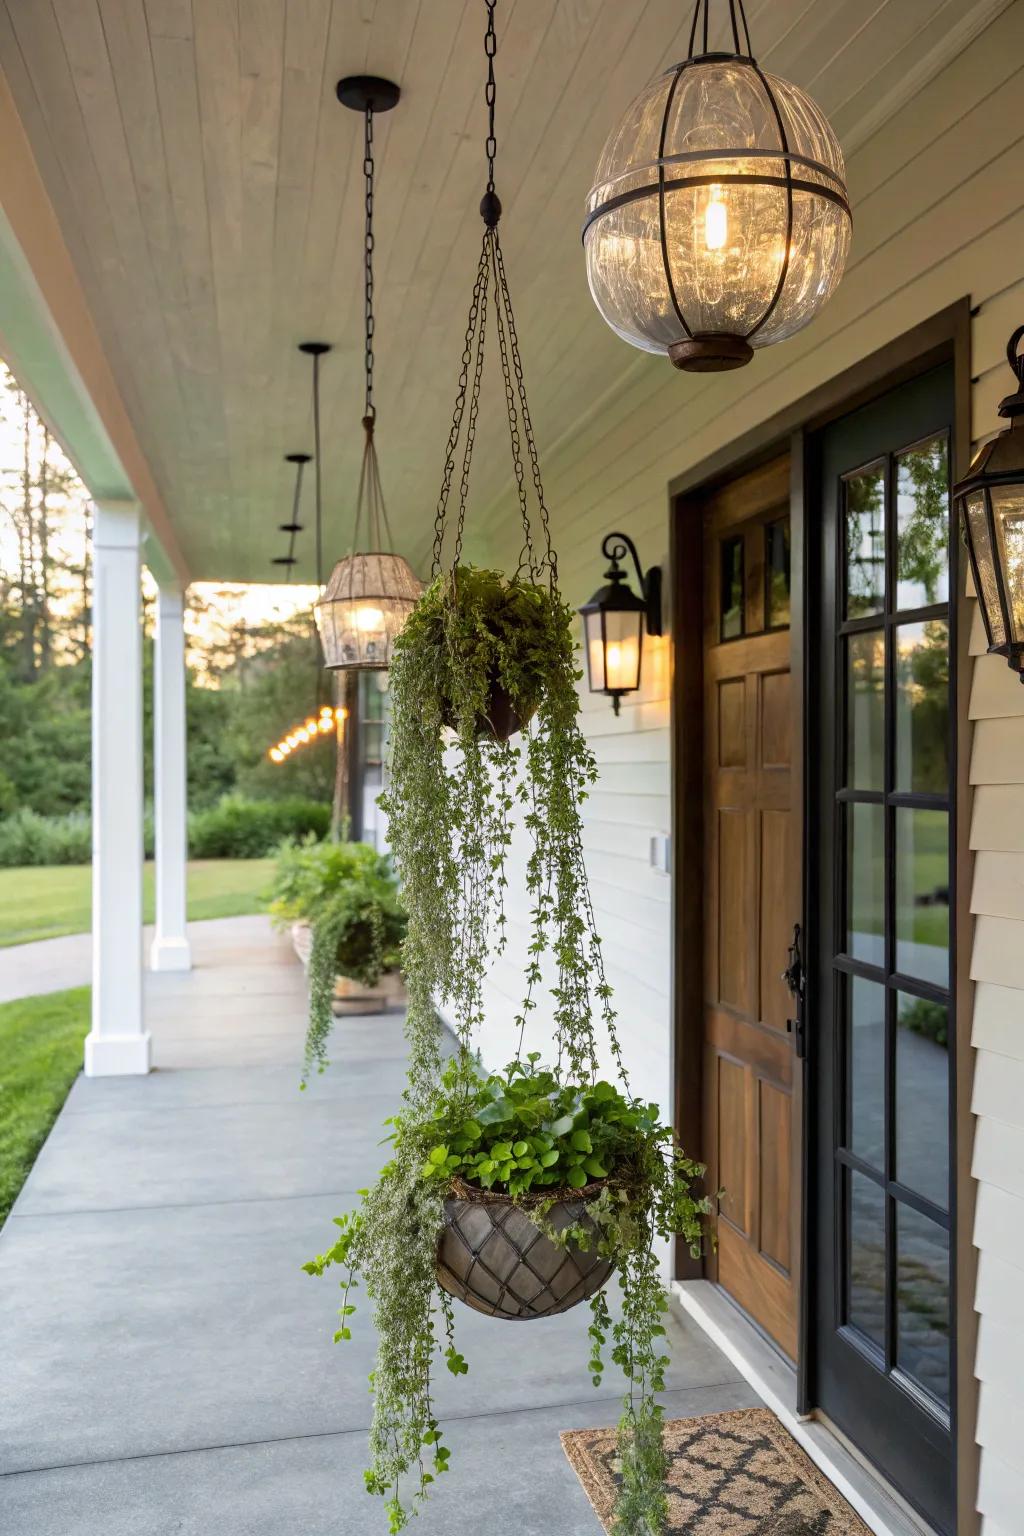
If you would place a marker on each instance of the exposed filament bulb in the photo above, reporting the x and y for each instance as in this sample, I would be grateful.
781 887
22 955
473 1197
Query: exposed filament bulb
716 221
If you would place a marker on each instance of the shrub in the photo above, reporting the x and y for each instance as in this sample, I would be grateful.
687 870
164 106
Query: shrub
236 828
308 873
28 838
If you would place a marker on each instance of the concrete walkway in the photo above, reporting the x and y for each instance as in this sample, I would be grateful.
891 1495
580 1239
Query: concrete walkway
48 965
54 965
167 1367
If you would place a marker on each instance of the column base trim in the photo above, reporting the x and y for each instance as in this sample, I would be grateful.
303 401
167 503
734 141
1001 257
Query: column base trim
170 955
117 1055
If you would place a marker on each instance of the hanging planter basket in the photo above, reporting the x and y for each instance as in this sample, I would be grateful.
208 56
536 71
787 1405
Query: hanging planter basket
500 721
496 1259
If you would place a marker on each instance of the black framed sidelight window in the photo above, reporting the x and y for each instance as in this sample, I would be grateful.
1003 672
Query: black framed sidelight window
892 963
883 1071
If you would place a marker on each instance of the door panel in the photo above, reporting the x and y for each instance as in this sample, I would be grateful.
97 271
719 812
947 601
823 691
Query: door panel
776 928
752 859
882 1077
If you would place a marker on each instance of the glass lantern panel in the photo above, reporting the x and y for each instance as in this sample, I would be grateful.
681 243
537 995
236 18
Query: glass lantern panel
594 638
626 273
1008 515
984 560
818 250
622 650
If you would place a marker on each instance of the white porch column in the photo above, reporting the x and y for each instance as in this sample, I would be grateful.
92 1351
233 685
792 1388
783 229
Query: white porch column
118 1041
170 950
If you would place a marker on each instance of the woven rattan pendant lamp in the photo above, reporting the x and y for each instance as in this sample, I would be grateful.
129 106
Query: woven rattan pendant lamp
372 591
718 221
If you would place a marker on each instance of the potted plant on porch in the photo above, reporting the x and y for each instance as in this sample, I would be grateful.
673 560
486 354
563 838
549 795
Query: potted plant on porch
521 1194
341 903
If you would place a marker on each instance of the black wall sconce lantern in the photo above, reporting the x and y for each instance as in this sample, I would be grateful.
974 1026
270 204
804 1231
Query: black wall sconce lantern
990 502
614 622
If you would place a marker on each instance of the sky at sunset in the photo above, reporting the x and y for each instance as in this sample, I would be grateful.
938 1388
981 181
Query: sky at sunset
219 613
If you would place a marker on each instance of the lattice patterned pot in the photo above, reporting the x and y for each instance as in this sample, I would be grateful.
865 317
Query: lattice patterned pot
492 1256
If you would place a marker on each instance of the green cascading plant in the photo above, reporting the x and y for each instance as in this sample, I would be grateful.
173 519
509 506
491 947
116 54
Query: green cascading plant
478 641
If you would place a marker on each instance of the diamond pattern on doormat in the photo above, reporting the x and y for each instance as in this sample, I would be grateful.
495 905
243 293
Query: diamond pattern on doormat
730 1474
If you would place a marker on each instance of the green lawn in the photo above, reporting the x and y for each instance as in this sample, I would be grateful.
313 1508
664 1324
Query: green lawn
46 901
40 1056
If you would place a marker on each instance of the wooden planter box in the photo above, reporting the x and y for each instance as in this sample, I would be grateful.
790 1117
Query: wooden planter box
350 996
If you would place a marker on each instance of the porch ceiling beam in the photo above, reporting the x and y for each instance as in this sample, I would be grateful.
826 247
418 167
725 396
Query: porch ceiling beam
49 340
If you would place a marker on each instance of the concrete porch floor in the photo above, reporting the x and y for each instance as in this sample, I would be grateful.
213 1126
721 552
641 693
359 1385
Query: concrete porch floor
168 1368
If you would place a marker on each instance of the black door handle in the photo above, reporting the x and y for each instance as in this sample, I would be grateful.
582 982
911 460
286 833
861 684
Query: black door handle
793 976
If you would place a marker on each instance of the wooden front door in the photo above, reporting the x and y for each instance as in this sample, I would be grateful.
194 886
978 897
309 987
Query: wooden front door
752 896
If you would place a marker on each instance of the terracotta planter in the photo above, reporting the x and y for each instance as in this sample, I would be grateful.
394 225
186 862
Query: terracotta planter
492 1256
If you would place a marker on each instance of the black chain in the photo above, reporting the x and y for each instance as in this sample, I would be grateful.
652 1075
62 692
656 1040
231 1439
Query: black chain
531 442
490 49
492 263
479 288
370 411
526 559
474 408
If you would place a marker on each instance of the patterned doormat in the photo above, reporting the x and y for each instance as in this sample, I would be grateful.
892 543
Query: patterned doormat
730 1474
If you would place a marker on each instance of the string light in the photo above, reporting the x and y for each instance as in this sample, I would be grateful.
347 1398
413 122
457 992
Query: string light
311 729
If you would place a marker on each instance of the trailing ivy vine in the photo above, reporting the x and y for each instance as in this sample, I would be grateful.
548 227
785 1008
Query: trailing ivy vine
479 641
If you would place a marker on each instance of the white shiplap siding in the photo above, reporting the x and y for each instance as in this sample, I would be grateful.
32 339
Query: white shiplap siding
938 198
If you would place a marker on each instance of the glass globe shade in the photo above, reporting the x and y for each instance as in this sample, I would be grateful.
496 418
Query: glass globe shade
718 221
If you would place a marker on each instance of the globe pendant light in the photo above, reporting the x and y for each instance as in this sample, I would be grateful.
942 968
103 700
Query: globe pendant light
370 594
718 221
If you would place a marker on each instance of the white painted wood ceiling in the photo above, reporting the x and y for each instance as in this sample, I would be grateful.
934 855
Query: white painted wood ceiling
210 191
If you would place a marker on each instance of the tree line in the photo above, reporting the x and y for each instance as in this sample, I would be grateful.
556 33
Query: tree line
247 684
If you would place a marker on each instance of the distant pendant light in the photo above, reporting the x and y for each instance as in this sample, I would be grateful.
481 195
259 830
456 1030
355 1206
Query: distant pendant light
718 221
990 502
300 460
370 594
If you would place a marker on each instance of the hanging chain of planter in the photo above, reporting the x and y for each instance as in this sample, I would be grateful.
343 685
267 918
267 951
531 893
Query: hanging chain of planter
372 591
518 1192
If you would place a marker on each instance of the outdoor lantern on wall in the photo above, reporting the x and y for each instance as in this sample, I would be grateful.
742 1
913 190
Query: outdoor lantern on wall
990 502
371 592
614 622
718 221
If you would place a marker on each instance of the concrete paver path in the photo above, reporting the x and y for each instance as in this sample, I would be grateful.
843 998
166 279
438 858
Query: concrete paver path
167 1367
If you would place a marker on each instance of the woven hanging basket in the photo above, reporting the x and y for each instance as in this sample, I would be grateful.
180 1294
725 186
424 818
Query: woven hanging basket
492 1256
